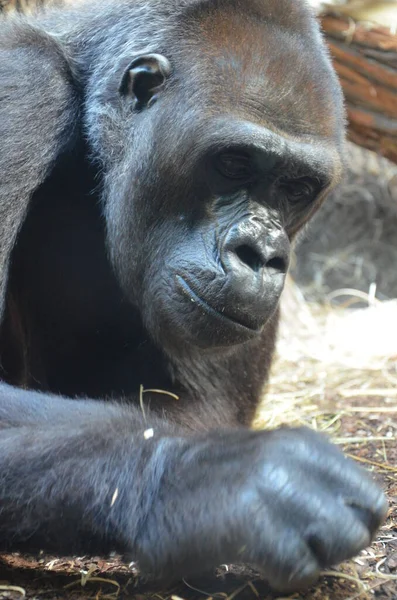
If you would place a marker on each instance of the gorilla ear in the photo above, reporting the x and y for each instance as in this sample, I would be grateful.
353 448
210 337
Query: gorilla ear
143 79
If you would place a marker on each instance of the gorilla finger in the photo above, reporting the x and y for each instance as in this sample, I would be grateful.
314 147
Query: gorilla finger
282 555
290 564
333 540
372 516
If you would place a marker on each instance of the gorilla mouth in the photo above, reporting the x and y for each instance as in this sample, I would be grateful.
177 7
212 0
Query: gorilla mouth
210 310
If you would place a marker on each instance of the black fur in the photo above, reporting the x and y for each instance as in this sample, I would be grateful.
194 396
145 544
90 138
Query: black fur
157 159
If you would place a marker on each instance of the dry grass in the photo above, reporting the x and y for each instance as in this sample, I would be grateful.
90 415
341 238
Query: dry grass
382 12
329 354
338 375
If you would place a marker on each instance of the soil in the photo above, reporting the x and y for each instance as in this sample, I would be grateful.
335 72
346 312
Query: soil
373 574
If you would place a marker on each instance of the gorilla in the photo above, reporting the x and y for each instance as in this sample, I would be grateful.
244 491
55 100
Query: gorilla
157 160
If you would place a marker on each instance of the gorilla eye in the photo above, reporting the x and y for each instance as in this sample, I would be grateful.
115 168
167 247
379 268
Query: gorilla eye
301 189
234 166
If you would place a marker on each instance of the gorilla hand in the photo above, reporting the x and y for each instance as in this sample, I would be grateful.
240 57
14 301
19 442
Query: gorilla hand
285 501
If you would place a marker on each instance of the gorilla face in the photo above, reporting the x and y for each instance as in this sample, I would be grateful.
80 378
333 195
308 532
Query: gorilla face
225 250
240 147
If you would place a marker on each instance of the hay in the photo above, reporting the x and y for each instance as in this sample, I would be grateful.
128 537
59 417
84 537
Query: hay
381 12
88 577
325 353
16 589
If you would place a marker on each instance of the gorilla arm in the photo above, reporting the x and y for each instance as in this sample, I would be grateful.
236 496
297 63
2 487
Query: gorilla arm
84 476
38 120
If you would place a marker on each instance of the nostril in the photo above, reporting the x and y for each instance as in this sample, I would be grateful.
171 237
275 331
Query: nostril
277 264
249 257
253 259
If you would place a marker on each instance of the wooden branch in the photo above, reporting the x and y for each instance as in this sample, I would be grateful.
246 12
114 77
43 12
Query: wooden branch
365 59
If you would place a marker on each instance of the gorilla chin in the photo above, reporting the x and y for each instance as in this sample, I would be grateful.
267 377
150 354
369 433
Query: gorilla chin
208 325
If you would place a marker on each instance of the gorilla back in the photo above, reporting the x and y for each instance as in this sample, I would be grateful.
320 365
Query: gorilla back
157 160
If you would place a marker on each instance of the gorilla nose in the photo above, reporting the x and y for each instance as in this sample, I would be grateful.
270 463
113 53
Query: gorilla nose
255 259
255 262
252 259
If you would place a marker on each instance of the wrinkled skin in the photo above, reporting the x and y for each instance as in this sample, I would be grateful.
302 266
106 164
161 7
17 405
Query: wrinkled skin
157 160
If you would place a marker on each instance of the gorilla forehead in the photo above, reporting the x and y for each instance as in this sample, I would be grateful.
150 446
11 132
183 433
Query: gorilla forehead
260 61
234 52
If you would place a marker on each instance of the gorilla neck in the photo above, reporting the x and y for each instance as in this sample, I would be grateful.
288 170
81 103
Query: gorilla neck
69 330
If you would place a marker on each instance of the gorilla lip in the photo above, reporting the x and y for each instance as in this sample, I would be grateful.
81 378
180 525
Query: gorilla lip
226 319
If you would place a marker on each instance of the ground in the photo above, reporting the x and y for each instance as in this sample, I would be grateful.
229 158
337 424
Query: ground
355 405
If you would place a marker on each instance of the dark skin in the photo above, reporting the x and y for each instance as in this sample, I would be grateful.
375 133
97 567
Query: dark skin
157 160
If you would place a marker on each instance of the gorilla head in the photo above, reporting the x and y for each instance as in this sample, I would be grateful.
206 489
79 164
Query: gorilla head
234 135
